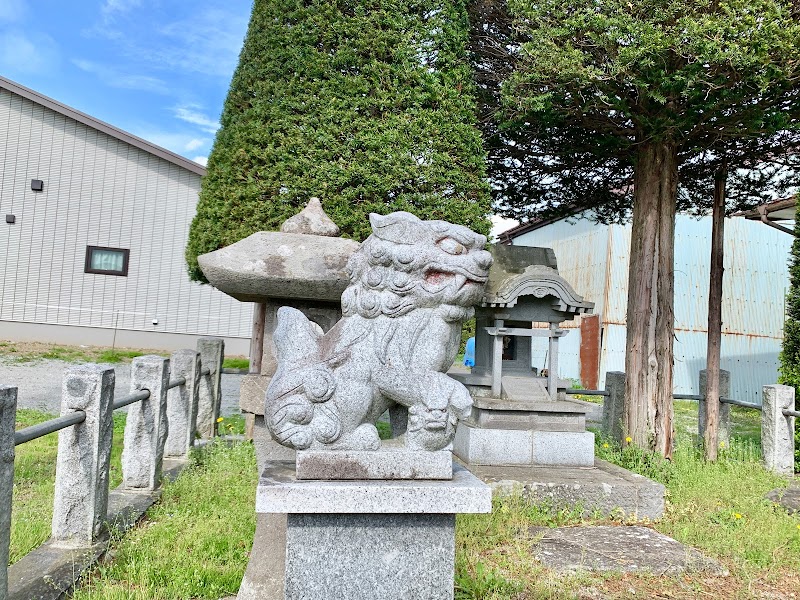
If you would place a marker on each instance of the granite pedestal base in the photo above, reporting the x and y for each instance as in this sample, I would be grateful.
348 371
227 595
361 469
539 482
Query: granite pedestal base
364 539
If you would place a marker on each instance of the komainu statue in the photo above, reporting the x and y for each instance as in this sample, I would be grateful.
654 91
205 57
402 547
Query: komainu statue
412 284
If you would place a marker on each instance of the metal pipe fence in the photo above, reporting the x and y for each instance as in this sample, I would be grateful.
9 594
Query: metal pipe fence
193 389
573 391
41 429
697 397
130 399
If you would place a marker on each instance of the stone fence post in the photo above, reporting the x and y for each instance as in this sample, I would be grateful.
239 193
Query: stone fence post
8 414
146 428
84 455
777 430
182 402
614 405
724 420
212 353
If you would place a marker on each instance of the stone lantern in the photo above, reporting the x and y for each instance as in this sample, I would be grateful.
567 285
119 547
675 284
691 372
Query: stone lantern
302 266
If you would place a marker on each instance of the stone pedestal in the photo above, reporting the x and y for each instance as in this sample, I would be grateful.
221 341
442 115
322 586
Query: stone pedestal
364 539
514 433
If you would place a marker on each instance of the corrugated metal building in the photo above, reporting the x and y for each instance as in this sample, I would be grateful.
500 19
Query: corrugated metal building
594 259
96 221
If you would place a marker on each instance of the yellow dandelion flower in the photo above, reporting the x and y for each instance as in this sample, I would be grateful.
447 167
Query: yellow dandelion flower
722 444
220 420
605 445
737 516
629 439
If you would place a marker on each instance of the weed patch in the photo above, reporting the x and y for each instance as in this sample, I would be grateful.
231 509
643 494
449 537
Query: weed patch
195 541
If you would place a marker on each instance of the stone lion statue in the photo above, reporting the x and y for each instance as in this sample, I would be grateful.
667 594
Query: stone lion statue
412 284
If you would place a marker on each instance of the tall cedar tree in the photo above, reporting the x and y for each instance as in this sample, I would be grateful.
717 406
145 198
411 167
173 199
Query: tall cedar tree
790 355
368 104
653 86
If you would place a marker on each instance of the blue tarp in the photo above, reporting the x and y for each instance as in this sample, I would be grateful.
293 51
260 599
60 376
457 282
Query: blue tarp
469 353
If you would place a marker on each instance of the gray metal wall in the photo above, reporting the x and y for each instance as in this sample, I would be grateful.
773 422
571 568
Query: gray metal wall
594 259
98 191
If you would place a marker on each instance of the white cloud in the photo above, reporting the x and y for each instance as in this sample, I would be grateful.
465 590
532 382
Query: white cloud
176 142
203 160
12 10
191 114
28 53
114 78
194 144
208 42
501 224
113 7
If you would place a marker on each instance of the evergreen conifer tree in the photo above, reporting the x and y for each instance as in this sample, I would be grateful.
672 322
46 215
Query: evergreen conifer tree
790 355
367 104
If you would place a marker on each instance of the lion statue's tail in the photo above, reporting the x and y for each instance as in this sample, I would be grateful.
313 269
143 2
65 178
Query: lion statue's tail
297 410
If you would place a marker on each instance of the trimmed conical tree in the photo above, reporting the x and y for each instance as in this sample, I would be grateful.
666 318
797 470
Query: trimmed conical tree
368 105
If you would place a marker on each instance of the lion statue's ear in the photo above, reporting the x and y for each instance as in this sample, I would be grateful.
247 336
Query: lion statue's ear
398 227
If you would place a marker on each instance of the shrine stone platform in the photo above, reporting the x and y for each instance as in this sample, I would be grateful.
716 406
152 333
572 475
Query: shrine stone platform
363 539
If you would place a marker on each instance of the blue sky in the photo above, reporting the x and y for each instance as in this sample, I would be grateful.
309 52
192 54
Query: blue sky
159 69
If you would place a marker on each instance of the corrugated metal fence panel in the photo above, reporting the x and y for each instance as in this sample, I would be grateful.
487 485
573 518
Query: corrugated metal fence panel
752 362
98 191
569 347
755 284
616 303
581 248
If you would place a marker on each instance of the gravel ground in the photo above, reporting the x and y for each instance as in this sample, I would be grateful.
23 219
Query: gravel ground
38 384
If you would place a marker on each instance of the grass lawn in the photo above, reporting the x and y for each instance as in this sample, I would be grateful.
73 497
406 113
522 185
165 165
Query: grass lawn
25 352
717 508
34 478
194 543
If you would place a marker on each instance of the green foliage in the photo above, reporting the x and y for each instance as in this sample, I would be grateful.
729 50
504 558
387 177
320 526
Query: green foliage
368 105
594 81
236 362
467 331
115 356
790 354
631 457
196 539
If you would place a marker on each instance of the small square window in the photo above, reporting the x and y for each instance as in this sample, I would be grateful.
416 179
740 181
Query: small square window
106 261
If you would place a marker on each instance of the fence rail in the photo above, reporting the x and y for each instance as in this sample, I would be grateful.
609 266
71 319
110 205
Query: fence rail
777 416
130 399
574 391
41 429
179 398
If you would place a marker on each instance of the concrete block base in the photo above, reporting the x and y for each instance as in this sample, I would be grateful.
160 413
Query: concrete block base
386 463
477 446
604 488
364 539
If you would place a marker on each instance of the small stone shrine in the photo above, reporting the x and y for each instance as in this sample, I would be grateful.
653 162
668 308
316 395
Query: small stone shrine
354 516
520 417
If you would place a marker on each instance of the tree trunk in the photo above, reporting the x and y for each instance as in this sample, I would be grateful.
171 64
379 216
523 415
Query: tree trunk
650 320
710 442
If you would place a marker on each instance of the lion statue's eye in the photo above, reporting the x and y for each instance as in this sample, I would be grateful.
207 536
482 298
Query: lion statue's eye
451 246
